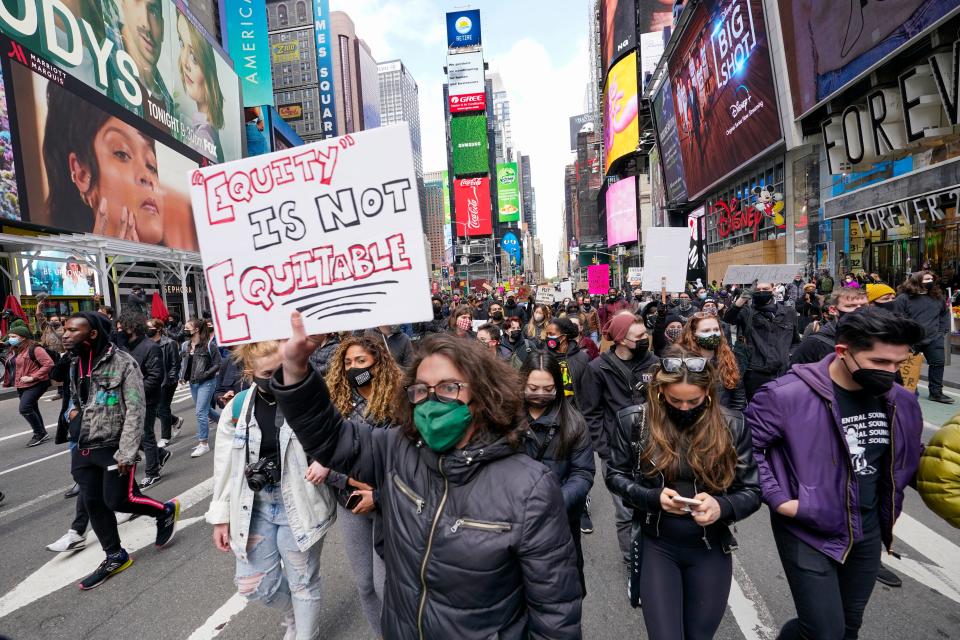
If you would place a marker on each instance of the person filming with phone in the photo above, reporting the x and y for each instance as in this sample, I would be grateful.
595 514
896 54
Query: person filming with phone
685 465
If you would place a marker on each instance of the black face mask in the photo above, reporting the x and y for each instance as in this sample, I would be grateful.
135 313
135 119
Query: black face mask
152 333
513 335
762 298
684 418
928 285
437 311
586 306
263 386
875 382
640 349
540 399
496 315
359 377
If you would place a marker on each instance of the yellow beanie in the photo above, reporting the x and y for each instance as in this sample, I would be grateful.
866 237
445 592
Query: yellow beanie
875 291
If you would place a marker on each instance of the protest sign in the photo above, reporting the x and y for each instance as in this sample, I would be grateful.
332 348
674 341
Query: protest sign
747 273
665 254
565 290
635 276
598 279
331 229
545 295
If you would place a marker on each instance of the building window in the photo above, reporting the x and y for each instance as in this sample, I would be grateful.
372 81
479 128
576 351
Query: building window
346 86
301 11
282 15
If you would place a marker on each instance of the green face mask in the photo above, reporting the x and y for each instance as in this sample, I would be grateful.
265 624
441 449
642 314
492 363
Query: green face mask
441 424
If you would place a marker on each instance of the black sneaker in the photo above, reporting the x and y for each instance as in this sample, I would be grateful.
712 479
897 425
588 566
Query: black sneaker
889 578
167 524
940 397
165 455
73 491
149 481
111 566
35 440
586 524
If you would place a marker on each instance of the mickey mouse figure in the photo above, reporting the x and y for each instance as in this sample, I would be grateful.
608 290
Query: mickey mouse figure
770 204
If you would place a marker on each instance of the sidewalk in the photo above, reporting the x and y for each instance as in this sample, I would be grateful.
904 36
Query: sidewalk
951 373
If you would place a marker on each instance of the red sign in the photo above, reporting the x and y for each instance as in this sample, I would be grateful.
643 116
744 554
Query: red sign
468 102
732 218
472 202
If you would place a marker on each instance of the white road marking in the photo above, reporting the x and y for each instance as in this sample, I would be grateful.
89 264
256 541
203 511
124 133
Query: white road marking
748 607
926 574
64 570
37 500
33 462
931 544
212 627
946 390
26 433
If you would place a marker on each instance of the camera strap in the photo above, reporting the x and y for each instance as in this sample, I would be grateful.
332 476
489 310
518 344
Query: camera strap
246 427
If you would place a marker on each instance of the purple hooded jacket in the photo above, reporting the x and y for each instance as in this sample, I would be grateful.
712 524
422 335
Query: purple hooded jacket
802 454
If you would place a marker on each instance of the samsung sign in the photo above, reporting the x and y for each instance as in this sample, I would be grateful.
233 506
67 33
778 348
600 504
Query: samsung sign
463 29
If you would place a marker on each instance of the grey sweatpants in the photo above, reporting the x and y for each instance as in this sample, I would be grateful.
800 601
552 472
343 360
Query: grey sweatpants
368 568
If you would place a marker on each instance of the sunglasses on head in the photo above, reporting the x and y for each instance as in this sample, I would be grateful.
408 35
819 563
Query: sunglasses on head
673 365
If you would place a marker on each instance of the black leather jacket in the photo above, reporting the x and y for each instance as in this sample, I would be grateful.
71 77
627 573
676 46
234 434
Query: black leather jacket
641 491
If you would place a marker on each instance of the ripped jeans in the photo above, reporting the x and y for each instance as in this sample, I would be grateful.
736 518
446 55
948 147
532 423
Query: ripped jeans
294 587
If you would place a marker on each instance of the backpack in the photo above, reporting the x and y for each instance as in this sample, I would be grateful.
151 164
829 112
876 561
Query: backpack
237 405
53 354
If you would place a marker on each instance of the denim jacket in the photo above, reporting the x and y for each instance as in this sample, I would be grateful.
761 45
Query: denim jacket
311 510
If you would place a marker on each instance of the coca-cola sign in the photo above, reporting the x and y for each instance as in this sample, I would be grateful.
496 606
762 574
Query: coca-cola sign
472 198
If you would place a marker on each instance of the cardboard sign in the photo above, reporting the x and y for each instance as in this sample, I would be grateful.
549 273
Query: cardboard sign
665 254
598 278
545 295
331 229
775 273
910 372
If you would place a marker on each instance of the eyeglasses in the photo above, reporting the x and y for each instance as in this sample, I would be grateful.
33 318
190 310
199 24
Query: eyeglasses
443 392
673 365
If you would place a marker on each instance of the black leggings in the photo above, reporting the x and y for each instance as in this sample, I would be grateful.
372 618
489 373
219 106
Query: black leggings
29 398
684 590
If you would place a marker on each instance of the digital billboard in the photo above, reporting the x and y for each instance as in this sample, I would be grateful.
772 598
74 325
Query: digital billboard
723 90
622 211
828 45
86 165
511 246
245 37
463 29
665 118
283 52
57 274
446 197
508 191
468 136
622 20
471 197
621 133
576 124
149 56
9 200
465 82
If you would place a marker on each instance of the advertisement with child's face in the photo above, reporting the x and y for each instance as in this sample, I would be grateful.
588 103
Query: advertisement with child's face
149 56
92 171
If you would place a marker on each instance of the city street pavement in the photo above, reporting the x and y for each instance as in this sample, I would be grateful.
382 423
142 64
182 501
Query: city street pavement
186 590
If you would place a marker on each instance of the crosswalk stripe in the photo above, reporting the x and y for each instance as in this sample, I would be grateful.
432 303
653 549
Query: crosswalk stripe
66 569
33 462
213 625
17 435
748 607
29 503
931 544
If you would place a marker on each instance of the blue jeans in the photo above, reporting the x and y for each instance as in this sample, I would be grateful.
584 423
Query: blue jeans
202 397
276 573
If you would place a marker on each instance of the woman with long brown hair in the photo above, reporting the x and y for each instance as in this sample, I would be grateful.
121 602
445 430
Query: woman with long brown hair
704 336
685 465
536 329
461 503
461 322
921 299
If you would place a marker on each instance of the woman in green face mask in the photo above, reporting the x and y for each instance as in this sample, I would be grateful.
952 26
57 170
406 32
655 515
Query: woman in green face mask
462 505
706 336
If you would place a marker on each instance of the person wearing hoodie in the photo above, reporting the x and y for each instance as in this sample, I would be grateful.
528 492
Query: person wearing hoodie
836 443
512 309
921 299
769 328
106 421
461 504
819 344
170 350
137 301
562 342
616 380
438 324
398 343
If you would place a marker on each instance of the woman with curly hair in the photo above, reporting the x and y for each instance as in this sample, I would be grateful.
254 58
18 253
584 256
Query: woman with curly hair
536 329
363 381
704 336
461 503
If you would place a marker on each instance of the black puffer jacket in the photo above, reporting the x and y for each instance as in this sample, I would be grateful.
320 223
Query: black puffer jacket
149 356
769 332
641 490
476 541
574 470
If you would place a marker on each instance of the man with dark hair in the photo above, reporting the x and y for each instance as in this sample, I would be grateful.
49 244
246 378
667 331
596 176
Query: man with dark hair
836 443
136 301
817 346
489 336
149 356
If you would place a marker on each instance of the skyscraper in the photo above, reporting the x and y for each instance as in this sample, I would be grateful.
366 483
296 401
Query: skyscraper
528 195
400 102
501 120
434 187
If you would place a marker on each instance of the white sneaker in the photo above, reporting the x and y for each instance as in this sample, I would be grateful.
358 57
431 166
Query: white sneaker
199 450
162 443
123 517
70 541
176 427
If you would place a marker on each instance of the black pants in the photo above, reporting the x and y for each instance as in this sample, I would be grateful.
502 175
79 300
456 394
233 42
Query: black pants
149 442
80 518
829 597
104 491
164 412
934 355
753 380
684 589
29 409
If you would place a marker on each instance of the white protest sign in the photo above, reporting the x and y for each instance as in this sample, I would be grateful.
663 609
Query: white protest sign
665 255
565 290
331 229
635 275
747 273
545 295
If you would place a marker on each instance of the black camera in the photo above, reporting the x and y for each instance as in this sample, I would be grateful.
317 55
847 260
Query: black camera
262 473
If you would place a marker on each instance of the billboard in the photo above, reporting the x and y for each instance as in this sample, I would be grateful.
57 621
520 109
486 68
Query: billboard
244 25
665 118
828 45
465 82
508 191
152 58
93 166
622 212
724 95
9 199
471 198
622 20
621 132
446 197
468 136
321 28
463 29
291 111
511 246
57 274
284 52
576 124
